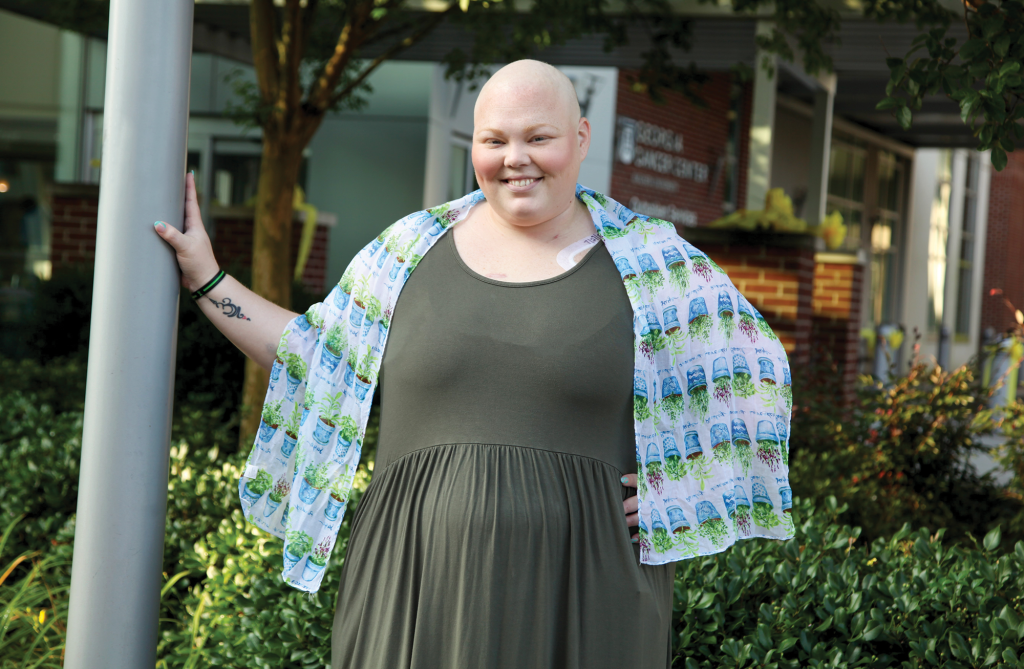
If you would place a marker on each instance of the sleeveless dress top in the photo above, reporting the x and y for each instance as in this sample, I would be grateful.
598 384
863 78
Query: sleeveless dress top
492 535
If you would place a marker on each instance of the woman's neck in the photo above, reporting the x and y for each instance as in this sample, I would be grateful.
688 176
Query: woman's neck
501 249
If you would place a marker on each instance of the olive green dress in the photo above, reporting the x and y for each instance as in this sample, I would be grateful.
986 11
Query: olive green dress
492 535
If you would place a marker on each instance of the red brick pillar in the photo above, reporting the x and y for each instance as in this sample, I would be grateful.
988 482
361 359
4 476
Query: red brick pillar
73 224
836 322
775 272
1004 245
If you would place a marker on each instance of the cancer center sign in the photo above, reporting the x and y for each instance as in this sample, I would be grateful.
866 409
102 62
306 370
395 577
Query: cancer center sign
669 158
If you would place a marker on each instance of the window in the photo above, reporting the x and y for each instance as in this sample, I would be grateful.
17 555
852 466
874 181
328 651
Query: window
236 171
846 188
885 235
732 143
938 234
967 238
461 177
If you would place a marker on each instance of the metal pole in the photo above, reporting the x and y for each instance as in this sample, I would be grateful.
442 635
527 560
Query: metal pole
122 496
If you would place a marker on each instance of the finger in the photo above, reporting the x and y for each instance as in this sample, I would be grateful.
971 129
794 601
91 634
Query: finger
633 520
192 213
631 504
635 538
170 234
629 480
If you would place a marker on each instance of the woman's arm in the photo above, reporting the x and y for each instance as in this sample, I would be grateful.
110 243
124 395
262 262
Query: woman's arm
252 323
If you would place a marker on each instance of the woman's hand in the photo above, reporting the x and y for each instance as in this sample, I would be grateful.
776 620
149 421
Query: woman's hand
193 248
631 504
252 323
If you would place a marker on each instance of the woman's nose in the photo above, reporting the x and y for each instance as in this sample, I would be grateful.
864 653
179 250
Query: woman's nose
518 155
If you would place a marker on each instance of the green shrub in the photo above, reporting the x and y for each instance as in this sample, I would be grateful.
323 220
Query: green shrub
34 601
209 369
902 451
823 599
39 454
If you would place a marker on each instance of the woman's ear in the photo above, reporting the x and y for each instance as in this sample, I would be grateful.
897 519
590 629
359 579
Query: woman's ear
583 133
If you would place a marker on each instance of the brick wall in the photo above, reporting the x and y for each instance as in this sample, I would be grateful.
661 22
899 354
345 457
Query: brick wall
835 327
774 272
704 131
233 244
73 225
1004 245
73 236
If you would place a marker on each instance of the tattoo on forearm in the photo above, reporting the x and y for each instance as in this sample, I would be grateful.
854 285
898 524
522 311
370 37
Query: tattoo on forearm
229 308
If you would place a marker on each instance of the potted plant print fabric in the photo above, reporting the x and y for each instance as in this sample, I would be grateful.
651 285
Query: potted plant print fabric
254 488
278 493
270 419
313 482
317 560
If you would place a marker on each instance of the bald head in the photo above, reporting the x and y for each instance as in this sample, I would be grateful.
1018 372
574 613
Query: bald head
528 143
531 82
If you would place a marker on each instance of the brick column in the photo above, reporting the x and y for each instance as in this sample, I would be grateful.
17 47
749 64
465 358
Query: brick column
73 235
838 288
775 272
1004 245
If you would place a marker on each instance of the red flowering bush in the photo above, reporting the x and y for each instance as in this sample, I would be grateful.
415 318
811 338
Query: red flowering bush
901 451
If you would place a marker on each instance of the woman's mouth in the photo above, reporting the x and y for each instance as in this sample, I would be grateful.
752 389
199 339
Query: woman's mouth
522 183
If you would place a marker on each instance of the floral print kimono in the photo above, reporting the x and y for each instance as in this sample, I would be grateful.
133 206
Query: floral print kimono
712 395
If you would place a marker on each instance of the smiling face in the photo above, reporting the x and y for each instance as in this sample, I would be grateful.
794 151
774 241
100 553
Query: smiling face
528 143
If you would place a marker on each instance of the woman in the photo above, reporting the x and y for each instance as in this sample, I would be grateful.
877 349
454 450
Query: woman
495 531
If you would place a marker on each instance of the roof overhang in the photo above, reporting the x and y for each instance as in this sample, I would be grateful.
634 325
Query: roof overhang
720 41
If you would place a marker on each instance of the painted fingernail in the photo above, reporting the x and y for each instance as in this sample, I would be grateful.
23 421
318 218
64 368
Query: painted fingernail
635 540
625 480
159 225
193 173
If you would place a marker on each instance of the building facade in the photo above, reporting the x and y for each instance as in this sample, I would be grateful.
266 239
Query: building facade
932 231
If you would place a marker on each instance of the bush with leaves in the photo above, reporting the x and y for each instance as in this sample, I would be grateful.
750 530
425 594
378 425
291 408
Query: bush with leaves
824 599
34 600
901 452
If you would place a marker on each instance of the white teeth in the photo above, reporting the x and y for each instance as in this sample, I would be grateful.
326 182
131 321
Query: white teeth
521 182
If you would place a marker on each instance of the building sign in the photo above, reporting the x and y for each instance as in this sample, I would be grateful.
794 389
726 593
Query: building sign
678 161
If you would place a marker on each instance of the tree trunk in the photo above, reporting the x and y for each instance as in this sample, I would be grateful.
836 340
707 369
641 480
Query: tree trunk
271 255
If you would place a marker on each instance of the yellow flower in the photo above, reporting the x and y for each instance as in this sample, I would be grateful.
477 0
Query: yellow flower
872 561
42 616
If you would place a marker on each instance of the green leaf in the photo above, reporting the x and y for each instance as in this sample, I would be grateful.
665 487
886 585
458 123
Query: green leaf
786 644
971 49
1002 45
889 103
967 108
958 647
903 117
992 539
998 159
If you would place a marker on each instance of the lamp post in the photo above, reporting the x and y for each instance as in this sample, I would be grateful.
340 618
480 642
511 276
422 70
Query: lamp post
122 497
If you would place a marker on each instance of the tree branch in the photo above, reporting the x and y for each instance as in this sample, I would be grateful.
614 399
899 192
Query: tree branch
351 37
292 47
263 32
397 48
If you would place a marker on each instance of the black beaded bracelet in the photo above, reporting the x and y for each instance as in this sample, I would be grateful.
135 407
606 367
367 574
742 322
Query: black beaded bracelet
210 285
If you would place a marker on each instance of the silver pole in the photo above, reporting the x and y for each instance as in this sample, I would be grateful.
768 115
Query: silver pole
122 494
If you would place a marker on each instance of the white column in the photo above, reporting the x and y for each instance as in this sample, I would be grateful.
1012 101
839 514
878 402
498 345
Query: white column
71 91
762 125
821 150
122 490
